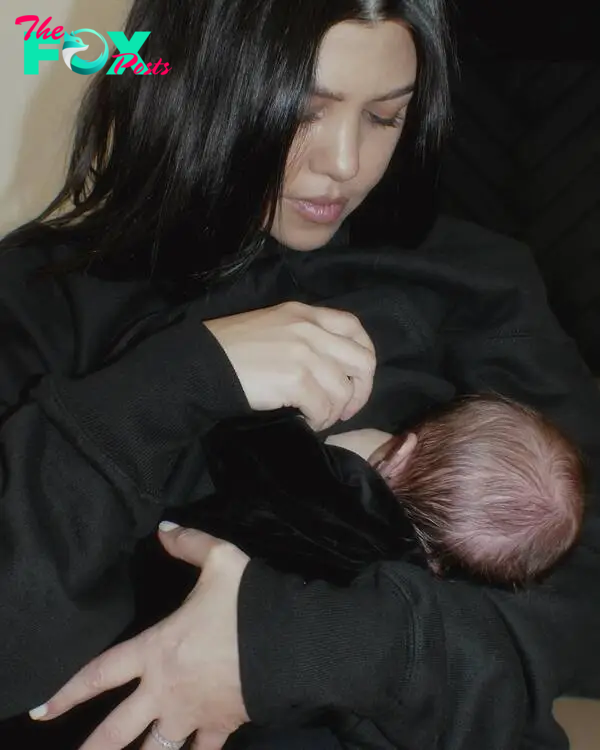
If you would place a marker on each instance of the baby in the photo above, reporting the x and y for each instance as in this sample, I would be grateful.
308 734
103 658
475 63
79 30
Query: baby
484 488
489 485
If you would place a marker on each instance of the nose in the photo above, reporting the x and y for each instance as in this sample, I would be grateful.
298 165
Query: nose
337 152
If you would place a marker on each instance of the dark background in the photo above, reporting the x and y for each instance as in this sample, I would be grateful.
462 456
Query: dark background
524 157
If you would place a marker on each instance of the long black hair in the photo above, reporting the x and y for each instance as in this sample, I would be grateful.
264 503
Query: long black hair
175 173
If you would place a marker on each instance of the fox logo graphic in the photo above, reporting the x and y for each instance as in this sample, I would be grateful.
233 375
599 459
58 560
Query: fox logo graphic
45 44
73 44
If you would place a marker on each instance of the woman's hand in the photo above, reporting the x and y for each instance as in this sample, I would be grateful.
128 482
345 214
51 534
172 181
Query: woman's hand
319 360
188 663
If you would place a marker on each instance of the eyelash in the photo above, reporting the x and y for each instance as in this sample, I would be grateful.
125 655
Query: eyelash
391 122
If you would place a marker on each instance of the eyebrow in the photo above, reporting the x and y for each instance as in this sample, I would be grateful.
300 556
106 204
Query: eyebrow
395 94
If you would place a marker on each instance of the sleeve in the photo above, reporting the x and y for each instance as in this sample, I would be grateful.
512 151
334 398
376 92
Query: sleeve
87 466
445 664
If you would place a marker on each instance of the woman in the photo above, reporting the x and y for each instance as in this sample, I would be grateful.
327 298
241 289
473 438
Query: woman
281 120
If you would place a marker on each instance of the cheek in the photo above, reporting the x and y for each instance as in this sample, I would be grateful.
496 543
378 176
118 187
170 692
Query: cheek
375 157
296 159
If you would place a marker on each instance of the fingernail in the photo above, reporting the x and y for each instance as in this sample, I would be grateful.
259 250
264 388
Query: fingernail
39 712
168 526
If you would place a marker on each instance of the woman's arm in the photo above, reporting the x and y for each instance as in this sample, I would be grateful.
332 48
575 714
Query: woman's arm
96 439
87 465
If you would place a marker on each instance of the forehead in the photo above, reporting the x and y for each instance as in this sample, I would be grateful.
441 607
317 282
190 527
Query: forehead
361 61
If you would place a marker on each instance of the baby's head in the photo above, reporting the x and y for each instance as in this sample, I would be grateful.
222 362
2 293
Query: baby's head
489 485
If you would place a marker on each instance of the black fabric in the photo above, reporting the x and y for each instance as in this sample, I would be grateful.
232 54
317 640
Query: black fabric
301 506
87 471
524 157
312 738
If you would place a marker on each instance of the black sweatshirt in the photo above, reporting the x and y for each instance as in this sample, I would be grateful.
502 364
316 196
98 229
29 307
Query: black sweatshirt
106 393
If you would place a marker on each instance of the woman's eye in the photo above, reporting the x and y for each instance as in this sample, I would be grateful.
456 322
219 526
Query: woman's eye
387 122
309 117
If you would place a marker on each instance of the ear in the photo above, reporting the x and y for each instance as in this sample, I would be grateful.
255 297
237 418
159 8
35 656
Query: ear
396 463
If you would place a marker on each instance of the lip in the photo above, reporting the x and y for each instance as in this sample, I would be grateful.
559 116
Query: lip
321 209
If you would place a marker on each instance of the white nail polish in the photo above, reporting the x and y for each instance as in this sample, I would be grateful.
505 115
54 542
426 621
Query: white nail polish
39 712
168 526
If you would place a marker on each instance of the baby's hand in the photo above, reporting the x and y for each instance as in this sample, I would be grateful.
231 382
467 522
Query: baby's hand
364 442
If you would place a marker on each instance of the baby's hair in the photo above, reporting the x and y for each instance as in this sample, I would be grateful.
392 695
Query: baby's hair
492 486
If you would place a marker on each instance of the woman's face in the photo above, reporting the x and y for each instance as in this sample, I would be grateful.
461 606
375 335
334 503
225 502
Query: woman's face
365 77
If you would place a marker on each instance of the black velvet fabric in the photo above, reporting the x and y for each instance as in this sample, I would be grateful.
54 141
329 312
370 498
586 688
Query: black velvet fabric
304 507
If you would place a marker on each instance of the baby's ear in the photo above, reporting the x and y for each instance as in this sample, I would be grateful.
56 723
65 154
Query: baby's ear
397 461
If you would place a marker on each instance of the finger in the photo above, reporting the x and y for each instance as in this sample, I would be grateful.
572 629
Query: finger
356 362
339 389
344 324
205 740
322 393
168 730
117 666
190 545
363 387
124 724
354 357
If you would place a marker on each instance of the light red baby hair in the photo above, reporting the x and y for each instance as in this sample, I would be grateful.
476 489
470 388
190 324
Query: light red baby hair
495 487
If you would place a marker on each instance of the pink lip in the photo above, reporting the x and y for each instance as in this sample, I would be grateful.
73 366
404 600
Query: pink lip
320 210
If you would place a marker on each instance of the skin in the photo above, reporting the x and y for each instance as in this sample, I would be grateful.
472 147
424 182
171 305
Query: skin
388 453
188 664
342 151
368 443
364 77
316 359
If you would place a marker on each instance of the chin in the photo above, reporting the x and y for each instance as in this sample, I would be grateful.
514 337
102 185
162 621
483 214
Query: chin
305 240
